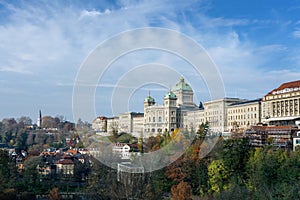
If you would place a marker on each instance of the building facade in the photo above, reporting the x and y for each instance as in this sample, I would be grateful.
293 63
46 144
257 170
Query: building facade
193 119
100 124
216 113
281 106
169 116
112 125
242 115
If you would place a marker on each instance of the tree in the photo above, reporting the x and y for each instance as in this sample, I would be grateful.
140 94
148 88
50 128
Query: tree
203 130
53 194
274 174
50 122
40 138
31 176
27 121
79 124
9 130
218 176
182 191
114 129
30 139
21 138
4 169
235 155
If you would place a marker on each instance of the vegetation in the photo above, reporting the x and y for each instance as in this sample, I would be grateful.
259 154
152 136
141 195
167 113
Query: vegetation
232 170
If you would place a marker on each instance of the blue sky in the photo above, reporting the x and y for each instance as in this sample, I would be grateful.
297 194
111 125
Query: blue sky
255 45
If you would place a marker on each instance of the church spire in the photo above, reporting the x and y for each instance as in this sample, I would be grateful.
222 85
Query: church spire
39 120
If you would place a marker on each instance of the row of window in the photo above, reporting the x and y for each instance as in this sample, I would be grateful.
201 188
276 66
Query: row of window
153 119
241 117
242 110
153 130
283 95
243 123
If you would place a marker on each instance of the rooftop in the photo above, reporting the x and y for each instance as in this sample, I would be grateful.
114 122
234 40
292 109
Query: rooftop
246 102
170 94
182 86
285 86
149 99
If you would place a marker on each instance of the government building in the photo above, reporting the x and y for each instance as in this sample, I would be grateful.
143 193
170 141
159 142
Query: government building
279 107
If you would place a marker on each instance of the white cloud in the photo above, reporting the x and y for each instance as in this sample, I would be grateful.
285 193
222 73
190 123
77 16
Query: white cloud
296 33
51 40
93 13
15 70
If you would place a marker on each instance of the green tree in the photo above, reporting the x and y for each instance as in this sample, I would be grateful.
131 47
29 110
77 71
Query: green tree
218 176
31 178
21 138
4 169
203 130
235 155
274 174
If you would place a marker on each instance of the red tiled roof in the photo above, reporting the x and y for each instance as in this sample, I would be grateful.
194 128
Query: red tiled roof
259 127
292 84
279 127
65 162
66 156
73 152
263 128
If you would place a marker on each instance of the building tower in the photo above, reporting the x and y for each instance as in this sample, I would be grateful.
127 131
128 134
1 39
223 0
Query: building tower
149 101
184 94
39 120
170 111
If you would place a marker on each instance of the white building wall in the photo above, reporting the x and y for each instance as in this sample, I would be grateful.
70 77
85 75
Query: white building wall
243 115
193 119
154 120
112 123
216 114
138 126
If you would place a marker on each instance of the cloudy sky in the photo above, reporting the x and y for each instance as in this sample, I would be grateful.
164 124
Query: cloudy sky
254 44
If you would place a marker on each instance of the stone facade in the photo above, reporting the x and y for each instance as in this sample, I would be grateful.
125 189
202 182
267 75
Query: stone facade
242 115
281 106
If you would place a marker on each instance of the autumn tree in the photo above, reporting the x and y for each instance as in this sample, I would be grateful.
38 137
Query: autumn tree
25 120
182 191
53 194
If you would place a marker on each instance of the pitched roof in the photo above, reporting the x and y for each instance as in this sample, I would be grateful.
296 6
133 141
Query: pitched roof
73 152
65 162
293 84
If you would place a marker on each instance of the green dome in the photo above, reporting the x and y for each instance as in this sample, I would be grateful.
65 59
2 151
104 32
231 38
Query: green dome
182 86
170 94
149 99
